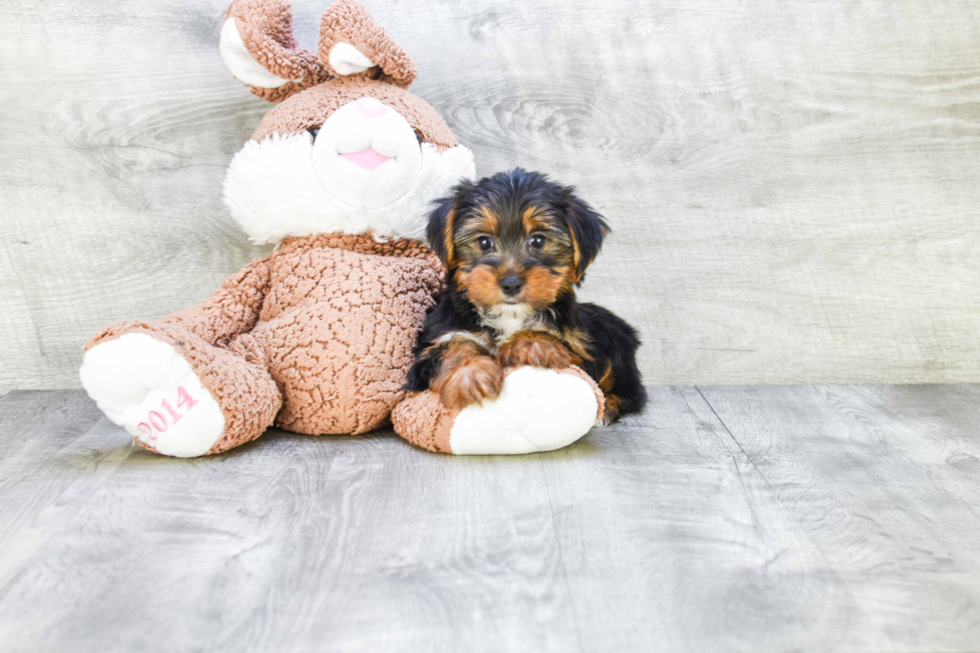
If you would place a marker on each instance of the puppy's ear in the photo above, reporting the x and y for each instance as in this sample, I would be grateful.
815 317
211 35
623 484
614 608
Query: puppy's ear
588 230
439 231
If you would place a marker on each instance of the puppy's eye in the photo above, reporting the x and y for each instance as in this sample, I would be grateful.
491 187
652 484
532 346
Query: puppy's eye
485 243
537 241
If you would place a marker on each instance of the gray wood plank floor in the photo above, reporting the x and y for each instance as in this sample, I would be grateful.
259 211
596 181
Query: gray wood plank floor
809 518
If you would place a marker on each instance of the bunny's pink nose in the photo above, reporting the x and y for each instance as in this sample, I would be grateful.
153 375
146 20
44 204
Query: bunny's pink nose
370 108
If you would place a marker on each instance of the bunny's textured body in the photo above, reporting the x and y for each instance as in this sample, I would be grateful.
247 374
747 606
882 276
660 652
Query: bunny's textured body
317 337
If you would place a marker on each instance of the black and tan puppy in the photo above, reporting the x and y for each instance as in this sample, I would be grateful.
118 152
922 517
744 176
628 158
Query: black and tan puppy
515 246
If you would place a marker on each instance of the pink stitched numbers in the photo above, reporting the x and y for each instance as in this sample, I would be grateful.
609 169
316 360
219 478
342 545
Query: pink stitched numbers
156 421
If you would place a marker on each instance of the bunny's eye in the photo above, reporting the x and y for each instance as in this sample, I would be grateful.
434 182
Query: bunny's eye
313 132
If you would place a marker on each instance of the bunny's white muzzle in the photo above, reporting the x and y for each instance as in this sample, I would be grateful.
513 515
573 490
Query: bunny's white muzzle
364 171
366 154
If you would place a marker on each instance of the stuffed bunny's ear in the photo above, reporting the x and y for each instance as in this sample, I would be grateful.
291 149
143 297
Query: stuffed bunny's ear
351 43
258 46
348 60
242 64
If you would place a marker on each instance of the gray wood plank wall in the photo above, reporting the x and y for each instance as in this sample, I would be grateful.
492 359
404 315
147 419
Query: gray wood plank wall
793 184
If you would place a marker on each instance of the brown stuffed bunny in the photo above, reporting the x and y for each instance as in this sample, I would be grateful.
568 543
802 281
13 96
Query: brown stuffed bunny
317 337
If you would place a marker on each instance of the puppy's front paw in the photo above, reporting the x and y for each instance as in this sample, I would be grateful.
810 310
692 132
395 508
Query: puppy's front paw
535 349
470 383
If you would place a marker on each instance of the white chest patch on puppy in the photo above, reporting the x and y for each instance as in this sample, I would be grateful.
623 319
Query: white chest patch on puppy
508 319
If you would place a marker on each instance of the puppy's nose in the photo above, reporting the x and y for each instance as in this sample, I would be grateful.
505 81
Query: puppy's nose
370 108
511 285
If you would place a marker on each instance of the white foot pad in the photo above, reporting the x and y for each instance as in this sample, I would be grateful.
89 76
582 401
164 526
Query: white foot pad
145 386
538 410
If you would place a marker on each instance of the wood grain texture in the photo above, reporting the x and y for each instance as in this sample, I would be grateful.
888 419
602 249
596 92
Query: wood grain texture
883 481
792 184
774 518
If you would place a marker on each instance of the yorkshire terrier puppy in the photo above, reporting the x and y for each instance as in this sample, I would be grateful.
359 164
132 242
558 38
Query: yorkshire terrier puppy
515 246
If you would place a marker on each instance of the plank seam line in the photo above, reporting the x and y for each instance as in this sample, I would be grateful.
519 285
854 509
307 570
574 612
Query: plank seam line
737 443
779 499
561 560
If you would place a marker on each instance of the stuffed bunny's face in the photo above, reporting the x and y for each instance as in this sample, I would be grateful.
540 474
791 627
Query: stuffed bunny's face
348 149
366 154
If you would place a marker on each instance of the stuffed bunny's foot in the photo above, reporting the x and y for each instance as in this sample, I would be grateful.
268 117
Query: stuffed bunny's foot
537 410
145 386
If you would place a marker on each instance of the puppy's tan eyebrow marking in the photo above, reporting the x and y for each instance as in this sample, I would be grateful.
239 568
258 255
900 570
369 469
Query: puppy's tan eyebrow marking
534 219
487 221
